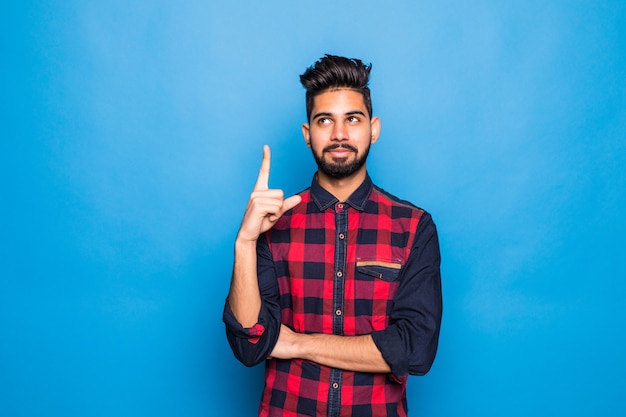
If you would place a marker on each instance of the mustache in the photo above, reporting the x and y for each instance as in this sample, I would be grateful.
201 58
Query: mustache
342 145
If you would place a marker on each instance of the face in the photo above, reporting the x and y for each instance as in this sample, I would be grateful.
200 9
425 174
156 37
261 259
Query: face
340 132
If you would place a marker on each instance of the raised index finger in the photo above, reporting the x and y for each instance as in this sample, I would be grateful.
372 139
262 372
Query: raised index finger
262 182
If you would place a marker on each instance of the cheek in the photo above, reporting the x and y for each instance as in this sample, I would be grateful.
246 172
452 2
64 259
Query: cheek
316 142
365 140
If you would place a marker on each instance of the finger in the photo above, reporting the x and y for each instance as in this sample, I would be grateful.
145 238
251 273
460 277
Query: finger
264 207
262 182
276 194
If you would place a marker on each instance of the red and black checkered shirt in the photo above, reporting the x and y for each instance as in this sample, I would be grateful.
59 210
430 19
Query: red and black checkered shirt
369 265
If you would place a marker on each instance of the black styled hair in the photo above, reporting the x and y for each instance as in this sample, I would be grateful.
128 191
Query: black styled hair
334 72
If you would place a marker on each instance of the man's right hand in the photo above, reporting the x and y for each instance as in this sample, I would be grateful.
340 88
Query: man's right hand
265 206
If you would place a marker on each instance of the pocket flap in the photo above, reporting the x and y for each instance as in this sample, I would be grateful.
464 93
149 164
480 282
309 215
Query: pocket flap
392 265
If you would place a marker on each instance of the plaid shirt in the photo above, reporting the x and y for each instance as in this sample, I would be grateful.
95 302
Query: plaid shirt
366 266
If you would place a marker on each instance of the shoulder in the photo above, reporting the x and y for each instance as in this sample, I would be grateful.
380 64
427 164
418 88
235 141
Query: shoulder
402 209
384 197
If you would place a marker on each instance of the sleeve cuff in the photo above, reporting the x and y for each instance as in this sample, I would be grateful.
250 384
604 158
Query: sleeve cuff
389 347
252 334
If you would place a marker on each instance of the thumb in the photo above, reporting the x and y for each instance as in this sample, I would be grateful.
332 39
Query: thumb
291 202
288 204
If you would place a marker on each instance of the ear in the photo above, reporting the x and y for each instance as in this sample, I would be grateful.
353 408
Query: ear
375 127
306 132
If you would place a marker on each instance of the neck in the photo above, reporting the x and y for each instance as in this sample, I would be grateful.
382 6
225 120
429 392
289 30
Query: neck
344 187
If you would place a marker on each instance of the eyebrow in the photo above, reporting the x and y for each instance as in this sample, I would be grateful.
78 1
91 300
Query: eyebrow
327 114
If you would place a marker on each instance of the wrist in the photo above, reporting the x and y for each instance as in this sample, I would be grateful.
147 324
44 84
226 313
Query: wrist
244 242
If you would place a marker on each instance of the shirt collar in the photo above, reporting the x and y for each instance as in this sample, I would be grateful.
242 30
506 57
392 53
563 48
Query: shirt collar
323 199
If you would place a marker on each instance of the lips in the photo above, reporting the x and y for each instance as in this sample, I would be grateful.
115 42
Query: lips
340 151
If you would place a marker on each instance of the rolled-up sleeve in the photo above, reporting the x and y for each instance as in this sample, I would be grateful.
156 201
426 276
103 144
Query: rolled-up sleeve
253 345
409 343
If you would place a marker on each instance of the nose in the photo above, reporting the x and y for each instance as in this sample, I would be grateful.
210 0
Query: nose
340 133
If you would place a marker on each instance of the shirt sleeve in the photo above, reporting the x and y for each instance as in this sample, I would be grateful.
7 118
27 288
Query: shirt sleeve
253 345
409 343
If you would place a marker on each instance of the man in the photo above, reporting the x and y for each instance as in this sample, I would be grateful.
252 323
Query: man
336 288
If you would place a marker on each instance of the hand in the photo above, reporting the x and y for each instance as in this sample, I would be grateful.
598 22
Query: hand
265 206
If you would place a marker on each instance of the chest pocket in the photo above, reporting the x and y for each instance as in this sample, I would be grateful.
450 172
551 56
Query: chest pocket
387 271
375 286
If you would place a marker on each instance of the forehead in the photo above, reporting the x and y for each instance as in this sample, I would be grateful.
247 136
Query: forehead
340 100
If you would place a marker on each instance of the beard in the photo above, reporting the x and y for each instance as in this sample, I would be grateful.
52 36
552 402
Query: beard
340 167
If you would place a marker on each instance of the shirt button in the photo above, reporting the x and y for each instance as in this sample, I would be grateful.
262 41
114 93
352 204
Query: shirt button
338 312
342 236
335 385
340 205
339 274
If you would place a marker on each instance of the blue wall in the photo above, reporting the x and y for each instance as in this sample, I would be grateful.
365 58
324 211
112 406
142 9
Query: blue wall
131 135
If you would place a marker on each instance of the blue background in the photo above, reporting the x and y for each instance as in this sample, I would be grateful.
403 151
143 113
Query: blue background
131 134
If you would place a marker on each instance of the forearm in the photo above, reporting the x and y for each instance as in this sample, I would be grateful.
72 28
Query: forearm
353 353
244 297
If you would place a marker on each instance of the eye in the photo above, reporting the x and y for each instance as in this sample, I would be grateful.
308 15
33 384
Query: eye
323 121
353 119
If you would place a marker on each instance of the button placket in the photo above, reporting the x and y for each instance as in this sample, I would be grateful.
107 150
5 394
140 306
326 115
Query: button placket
341 226
341 229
